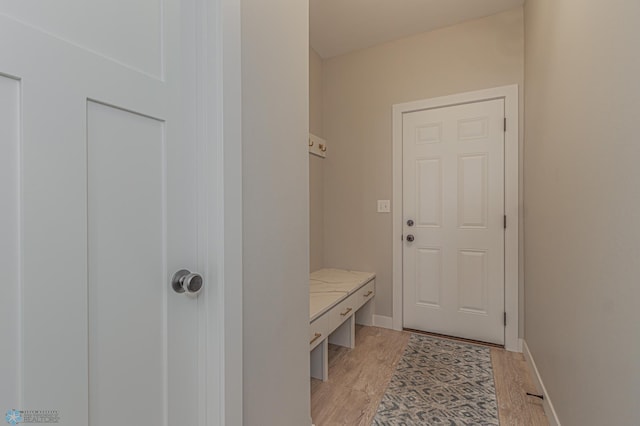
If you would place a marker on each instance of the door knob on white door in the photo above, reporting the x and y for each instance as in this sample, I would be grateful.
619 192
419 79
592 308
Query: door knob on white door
185 281
410 238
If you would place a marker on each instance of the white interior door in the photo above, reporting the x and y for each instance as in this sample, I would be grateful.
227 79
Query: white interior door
453 192
98 189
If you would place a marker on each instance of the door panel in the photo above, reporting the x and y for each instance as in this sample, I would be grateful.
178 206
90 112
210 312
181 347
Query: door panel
127 321
472 281
453 189
473 199
429 191
107 211
429 276
128 32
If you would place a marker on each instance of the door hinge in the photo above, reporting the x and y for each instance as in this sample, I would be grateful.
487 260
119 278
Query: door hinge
505 319
504 222
505 124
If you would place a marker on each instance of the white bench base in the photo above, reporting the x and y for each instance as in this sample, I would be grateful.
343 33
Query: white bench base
337 323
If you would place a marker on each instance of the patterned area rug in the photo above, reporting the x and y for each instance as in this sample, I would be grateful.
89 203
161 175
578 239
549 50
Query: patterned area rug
440 382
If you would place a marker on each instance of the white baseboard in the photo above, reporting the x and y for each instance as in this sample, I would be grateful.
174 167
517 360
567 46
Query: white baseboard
549 410
383 322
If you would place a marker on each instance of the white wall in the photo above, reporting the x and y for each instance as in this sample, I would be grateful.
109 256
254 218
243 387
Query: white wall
316 166
359 91
275 125
582 195
316 121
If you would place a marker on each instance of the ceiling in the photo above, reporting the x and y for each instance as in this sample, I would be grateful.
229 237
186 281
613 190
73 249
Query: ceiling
341 26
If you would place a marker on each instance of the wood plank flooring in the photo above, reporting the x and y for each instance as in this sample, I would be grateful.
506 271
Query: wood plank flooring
359 377
513 381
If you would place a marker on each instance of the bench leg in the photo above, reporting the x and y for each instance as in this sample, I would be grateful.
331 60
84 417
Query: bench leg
320 361
364 316
345 335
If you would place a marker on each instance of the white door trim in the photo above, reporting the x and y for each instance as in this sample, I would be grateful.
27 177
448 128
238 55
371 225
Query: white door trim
511 247
219 135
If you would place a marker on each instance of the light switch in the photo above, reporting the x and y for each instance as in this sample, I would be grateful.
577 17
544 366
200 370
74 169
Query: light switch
384 206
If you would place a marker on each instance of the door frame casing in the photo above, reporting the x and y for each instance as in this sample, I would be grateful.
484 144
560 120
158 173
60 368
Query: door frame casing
219 218
511 157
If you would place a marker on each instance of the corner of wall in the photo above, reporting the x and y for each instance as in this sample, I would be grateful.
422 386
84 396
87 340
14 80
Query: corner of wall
316 165
549 409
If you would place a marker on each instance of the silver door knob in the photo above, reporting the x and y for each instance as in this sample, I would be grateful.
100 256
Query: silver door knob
410 238
185 281
410 222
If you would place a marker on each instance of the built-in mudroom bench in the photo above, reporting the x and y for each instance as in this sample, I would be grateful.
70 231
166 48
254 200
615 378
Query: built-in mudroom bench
338 299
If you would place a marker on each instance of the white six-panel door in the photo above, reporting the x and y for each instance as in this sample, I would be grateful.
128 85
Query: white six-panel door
453 191
98 192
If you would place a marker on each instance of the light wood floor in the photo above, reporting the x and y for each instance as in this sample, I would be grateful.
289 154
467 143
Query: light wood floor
358 378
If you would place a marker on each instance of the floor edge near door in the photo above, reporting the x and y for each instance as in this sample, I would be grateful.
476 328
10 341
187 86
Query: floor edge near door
460 339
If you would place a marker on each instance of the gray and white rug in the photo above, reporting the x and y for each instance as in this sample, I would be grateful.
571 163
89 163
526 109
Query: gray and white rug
440 382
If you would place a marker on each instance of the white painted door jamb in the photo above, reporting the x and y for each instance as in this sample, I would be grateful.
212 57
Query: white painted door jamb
220 209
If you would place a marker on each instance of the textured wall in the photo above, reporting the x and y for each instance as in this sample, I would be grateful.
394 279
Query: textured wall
582 198
359 91
275 126
316 166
